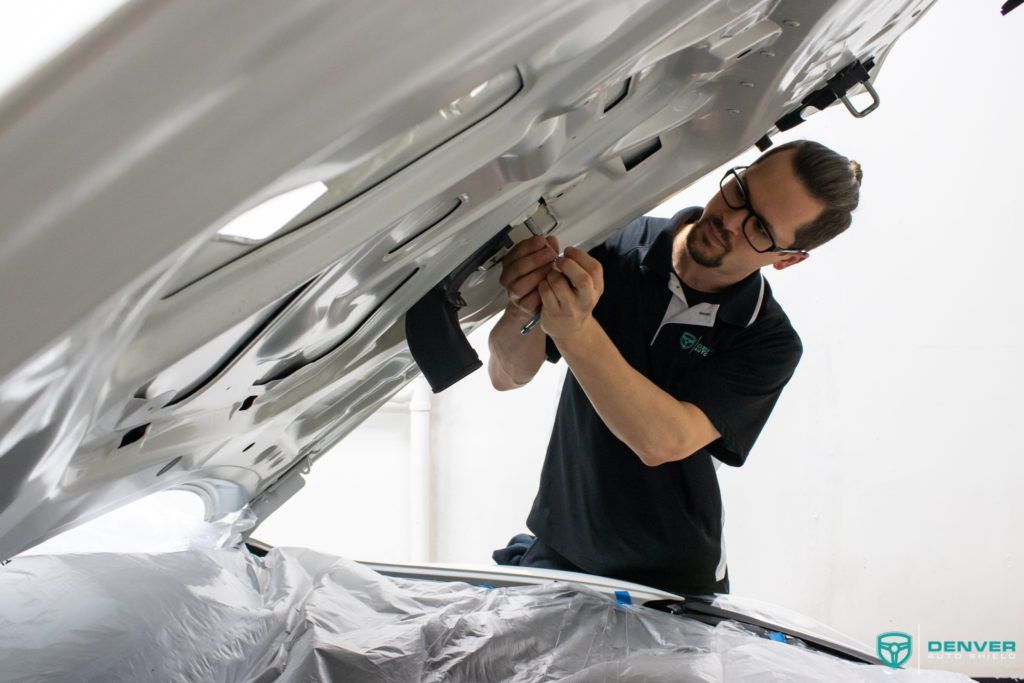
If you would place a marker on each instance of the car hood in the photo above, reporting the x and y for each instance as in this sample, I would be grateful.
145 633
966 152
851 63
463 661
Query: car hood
217 215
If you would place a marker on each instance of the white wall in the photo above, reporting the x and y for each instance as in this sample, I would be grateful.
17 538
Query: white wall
489 447
357 497
885 492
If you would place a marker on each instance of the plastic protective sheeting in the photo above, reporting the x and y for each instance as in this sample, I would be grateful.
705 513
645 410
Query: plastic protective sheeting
299 615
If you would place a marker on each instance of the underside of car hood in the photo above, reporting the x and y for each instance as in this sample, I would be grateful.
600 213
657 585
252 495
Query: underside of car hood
216 215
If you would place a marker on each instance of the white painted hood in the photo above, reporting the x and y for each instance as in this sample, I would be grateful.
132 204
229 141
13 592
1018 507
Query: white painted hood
158 334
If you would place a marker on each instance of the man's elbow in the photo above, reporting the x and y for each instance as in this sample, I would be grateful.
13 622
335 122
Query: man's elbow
503 384
659 454
655 458
500 379
692 432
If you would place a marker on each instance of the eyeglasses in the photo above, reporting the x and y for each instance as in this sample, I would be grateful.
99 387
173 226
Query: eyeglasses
734 192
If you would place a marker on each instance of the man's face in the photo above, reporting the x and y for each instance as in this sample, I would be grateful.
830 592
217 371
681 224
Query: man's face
778 197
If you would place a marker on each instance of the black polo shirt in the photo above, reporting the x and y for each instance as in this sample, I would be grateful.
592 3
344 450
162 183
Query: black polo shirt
731 355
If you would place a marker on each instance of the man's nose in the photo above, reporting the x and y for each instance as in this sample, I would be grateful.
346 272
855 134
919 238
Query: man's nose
732 220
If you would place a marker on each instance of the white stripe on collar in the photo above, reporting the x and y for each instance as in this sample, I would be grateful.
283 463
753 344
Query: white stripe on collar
679 312
757 306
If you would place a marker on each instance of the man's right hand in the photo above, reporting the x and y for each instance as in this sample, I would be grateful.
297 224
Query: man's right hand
516 357
523 269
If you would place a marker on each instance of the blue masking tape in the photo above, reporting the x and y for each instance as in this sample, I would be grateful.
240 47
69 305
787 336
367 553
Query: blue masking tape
775 635
623 598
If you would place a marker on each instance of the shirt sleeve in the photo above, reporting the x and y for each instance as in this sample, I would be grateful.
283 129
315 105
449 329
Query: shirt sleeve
740 387
551 351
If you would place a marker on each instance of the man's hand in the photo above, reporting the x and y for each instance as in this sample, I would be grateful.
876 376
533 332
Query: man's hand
523 269
569 293
516 357
655 426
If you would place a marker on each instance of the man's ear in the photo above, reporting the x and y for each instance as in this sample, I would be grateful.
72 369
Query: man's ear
791 260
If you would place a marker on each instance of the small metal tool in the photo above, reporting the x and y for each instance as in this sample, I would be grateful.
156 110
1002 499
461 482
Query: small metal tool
525 329
530 325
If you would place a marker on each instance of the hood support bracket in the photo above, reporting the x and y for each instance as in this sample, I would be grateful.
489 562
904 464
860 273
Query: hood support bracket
835 88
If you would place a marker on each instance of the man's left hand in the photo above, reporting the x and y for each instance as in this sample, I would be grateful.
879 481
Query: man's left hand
569 293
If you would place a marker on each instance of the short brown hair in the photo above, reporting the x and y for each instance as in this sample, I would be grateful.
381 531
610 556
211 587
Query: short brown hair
830 178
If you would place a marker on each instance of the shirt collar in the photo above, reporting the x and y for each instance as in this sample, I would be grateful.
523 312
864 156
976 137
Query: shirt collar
740 303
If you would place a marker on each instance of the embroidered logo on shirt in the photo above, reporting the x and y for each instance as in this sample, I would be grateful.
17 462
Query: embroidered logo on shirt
691 342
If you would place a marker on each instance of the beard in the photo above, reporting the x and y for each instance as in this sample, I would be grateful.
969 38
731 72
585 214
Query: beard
700 246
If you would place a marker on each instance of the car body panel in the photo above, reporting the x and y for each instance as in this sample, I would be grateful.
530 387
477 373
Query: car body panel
152 343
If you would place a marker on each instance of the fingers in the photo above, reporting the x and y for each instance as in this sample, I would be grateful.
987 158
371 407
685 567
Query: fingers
529 303
524 268
526 257
549 302
569 293
579 277
586 261
529 246
524 271
561 288
513 269
522 287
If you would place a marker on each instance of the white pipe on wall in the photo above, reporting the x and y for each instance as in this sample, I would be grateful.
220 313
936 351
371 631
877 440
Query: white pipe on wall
421 512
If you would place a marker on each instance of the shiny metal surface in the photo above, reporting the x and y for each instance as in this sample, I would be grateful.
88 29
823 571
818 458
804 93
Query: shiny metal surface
141 350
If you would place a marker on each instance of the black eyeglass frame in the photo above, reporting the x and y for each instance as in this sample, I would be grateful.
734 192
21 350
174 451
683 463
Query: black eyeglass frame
734 173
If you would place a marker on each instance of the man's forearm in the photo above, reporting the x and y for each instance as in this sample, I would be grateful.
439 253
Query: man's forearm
656 426
515 357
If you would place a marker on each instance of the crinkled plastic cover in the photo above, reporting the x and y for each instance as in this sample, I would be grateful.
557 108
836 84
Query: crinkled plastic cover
300 615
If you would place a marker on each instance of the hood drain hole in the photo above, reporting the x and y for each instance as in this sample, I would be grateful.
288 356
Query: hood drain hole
133 435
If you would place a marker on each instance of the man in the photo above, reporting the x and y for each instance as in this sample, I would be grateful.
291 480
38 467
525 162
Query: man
677 354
